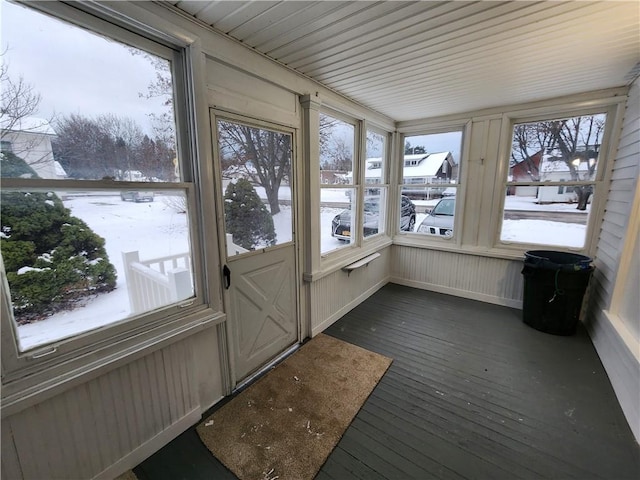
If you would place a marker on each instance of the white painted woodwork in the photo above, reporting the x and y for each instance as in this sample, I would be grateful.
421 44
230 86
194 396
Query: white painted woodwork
411 60
85 431
340 291
236 91
615 327
492 280
262 310
150 288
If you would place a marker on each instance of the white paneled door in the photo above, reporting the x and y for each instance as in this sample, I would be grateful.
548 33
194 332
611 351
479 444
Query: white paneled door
259 273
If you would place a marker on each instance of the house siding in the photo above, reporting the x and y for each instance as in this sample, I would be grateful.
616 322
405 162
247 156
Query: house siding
616 336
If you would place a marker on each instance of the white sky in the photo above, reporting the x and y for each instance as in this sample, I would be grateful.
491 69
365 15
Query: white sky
73 70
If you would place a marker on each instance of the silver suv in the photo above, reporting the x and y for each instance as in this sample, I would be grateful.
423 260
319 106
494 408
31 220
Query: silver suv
440 220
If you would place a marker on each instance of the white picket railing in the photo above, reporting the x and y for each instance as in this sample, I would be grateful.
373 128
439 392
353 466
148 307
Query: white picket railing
161 281
157 282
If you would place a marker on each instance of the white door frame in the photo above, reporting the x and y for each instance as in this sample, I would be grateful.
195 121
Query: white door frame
216 114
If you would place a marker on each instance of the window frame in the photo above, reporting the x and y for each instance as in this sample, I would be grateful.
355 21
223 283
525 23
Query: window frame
415 238
47 366
356 186
383 185
605 161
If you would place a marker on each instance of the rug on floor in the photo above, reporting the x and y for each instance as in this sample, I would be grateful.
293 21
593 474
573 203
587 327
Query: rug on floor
286 424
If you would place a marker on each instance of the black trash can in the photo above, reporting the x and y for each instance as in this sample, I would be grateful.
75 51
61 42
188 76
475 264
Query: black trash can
554 286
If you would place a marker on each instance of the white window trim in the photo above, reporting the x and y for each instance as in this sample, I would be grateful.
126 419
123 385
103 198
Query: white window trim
384 183
612 107
333 256
416 239
614 98
45 370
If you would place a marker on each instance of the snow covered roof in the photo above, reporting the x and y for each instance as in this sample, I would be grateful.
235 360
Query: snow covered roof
59 170
427 165
29 125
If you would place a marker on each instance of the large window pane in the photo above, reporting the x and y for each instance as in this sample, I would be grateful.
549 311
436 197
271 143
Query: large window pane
552 222
337 207
556 150
560 152
337 140
432 160
431 175
375 168
83 107
374 211
78 105
338 226
256 183
76 261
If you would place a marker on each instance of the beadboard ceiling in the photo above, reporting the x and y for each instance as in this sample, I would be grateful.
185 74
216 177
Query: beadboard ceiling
411 60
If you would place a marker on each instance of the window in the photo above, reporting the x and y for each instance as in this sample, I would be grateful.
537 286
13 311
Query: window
430 179
338 206
375 184
256 184
5 146
553 168
95 204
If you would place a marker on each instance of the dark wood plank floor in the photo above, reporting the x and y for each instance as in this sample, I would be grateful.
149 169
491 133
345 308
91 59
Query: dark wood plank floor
472 393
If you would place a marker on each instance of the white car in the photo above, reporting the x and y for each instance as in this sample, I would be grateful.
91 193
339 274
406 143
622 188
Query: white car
440 220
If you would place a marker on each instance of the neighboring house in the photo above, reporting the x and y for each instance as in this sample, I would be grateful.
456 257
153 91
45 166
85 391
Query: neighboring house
526 172
428 168
555 169
30 139
418 168
334 177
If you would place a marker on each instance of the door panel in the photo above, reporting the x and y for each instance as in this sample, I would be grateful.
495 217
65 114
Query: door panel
255 175
263 307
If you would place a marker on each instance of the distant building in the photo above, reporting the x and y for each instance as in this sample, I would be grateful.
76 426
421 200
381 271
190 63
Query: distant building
30 139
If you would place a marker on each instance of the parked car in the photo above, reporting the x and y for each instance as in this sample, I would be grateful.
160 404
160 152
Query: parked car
440 220
341 223
137 196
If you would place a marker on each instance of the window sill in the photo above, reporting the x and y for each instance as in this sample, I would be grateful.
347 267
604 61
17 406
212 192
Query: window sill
21 390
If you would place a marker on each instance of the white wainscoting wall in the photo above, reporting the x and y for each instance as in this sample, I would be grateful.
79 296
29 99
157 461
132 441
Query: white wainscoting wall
492 280
340 291
112 422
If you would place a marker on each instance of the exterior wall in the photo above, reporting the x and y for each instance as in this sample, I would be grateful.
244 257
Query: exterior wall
35 149
613 319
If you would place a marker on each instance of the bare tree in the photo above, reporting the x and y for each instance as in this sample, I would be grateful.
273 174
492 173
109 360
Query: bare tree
19 103
110 147
339 155
163 124
263 156
573 142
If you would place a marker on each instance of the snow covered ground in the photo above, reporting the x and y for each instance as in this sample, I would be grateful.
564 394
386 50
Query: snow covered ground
155 229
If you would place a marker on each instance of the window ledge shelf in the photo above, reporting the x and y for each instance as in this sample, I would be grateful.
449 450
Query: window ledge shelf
360 263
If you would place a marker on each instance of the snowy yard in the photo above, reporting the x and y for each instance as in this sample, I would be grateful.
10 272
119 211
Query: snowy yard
155 230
